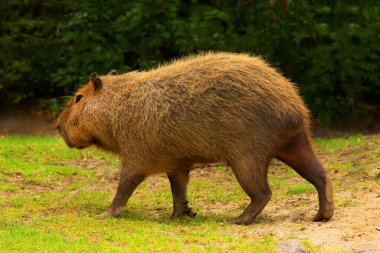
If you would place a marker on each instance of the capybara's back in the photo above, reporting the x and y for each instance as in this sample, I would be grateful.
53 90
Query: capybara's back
214 107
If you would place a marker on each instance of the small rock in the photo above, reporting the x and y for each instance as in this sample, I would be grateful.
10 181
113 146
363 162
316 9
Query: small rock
378 228
290 246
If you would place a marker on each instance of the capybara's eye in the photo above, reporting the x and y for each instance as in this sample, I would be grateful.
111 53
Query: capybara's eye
78 98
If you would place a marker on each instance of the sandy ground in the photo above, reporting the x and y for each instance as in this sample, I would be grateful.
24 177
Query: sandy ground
352 229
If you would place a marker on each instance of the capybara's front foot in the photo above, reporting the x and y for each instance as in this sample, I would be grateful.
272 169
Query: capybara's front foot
186 211
242 220
325 213
247 217
110 212
253 209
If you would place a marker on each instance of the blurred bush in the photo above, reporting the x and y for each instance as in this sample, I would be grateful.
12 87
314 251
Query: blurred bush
331 48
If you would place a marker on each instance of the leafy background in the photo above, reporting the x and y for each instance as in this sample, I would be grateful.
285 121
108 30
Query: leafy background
330 48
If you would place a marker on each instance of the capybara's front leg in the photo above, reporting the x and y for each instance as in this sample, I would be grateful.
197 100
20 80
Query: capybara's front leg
127 184
178 184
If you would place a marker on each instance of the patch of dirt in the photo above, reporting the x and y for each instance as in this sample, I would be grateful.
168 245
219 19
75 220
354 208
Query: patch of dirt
353 228
30 121
88 162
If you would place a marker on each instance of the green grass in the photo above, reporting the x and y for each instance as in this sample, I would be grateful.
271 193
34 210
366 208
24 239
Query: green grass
22 239
50 197
301 188
331 145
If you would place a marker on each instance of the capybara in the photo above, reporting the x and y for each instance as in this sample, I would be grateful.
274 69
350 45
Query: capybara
211 107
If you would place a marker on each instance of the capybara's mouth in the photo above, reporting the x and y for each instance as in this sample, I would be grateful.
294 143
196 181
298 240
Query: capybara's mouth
67 141
72 145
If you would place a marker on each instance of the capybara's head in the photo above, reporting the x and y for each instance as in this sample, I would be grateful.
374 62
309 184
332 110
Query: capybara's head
75 124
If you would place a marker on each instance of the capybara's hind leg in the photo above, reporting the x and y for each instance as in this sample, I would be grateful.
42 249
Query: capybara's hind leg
127 184
178 184
301 157
252 176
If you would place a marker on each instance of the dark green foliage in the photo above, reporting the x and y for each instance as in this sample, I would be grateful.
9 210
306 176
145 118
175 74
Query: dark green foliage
330 48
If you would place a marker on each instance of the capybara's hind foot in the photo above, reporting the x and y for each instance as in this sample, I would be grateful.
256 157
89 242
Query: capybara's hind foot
325 214
110 212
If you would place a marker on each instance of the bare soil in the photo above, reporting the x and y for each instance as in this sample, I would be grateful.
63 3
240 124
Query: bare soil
355 226
36 122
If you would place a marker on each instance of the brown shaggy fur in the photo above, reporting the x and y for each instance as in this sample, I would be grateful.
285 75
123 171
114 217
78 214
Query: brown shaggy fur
212 107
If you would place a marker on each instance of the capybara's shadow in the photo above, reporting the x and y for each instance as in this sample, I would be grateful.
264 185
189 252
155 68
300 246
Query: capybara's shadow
164 217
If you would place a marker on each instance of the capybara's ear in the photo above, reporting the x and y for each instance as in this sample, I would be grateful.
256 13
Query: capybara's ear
96 81
112 73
